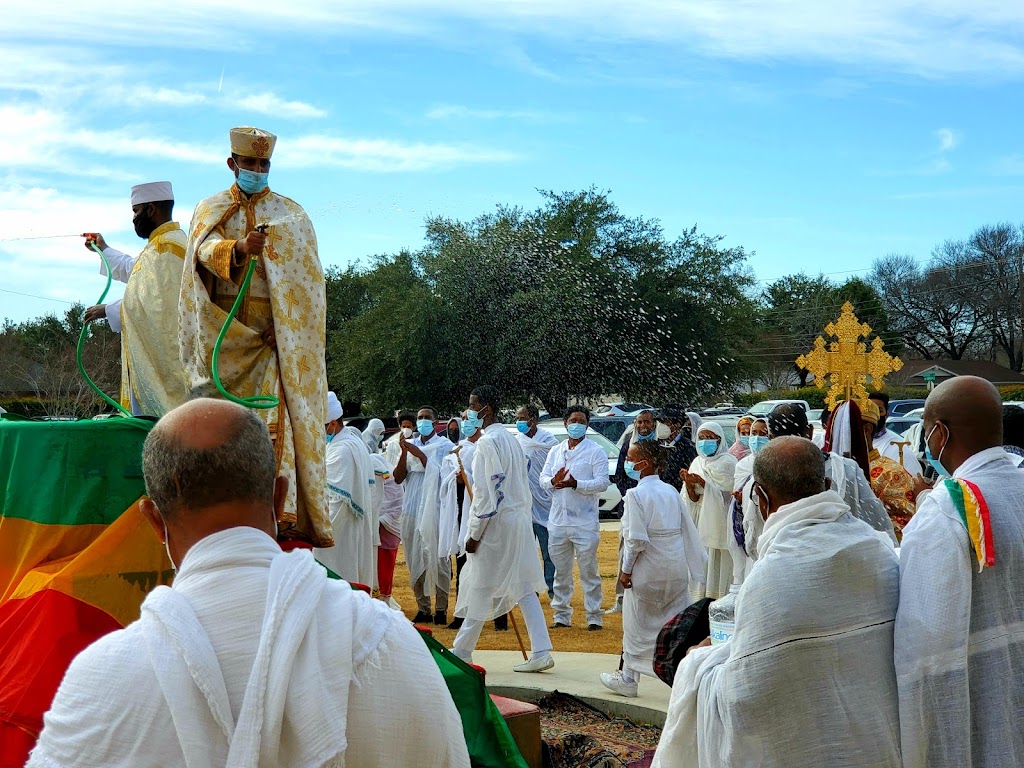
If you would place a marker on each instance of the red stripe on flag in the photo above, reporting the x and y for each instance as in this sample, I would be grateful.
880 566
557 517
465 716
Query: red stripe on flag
986 523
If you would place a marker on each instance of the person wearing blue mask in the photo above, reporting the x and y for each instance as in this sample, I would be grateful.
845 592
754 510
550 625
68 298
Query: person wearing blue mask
536 444
275 345
418 471
644 430
576 474
662 554
708 488
958 639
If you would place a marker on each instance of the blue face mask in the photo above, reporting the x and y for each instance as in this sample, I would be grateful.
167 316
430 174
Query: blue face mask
329 438
936 462
652 436
576 431
468 430
757 442
745 441
523 427
251 182
425 427
631 471
707 447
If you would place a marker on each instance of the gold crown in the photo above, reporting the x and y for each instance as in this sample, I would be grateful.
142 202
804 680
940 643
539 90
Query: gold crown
252 142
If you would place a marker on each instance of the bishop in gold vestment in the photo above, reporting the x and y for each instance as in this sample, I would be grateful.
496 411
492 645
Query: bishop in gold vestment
275 345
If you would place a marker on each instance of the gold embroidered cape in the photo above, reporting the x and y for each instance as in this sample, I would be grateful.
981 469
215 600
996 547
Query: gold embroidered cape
276 343
150 367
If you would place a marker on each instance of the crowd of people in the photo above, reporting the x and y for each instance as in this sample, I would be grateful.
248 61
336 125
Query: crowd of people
878 618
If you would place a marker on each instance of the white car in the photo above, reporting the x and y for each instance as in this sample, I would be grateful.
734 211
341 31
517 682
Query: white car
621 409
765 407
608 502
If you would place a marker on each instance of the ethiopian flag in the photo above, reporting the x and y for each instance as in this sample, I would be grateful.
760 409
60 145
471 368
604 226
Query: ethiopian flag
76 556
77 559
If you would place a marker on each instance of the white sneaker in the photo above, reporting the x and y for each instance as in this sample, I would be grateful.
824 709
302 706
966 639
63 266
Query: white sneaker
613 682
468 658
538 663
616 608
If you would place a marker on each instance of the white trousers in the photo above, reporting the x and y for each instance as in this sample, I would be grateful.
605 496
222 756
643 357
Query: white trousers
536 628
566 545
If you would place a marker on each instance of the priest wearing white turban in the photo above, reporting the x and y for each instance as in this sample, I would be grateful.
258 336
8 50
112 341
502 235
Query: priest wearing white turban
350 481
254 657
152 380
275 344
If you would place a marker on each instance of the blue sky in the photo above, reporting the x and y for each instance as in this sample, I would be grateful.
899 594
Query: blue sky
819 138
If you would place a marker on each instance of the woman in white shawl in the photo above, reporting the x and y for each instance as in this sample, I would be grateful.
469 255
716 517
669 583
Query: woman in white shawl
745 525
708 486
372 435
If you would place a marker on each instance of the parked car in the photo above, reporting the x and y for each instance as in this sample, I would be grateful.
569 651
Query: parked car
902 424
765 407
814 415
904 407
611 427
609 502
621 409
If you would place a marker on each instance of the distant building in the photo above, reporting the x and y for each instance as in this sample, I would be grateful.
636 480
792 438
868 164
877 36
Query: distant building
919 373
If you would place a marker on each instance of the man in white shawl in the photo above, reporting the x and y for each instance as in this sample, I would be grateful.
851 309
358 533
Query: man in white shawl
418 470
254 657
708 488
537 444
960 627
807 679
662 554
502 568
350 483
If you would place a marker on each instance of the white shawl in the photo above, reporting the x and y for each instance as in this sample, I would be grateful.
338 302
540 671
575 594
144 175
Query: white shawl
711 511
454 525
808 677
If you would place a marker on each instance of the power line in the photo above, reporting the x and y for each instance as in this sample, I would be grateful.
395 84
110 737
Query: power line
35 296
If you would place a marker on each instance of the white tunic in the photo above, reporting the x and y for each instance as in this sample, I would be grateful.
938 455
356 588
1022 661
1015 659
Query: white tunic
537 449
350 480
421 509
960 633
215 674
663 552
711 513
506 567
455 519
807 680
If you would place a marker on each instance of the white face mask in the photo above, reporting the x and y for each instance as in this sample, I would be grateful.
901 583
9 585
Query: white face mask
167 547
407 433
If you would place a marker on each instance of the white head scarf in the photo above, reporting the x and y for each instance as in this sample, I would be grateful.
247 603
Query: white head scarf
372 434
695 424
334 410
721 466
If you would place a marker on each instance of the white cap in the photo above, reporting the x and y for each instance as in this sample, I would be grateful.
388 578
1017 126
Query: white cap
333 408
153 192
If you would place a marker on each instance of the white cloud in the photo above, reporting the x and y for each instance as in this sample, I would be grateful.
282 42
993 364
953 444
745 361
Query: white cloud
935 39
381 155
948 139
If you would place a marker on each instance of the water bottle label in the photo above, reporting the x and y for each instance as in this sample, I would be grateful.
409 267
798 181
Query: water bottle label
721 631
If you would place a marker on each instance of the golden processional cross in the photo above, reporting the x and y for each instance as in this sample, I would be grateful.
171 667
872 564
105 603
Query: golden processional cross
846 363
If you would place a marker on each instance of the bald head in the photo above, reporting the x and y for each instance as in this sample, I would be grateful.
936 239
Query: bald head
969 411
789 468
208 452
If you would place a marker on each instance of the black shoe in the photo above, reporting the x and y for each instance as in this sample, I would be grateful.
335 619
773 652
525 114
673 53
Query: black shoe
501 623
594 627
440 618
559 625
456 623
422 618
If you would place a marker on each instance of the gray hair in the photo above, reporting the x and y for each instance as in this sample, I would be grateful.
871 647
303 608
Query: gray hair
790 468
242 468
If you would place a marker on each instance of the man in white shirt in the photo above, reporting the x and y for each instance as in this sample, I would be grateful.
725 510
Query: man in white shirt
214 672
960 628
536 444
502 569
807 678
890 444
576 474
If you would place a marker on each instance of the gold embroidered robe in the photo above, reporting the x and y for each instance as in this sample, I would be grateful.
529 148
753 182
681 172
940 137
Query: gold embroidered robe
150 366
275 345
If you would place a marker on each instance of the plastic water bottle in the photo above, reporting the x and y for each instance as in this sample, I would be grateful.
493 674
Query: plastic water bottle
722 616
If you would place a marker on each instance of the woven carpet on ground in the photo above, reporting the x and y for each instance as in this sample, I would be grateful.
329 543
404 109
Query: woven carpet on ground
579 736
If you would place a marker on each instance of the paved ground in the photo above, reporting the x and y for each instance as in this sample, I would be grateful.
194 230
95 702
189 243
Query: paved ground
577 674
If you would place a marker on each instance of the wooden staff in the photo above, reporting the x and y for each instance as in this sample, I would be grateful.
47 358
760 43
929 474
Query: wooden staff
511 615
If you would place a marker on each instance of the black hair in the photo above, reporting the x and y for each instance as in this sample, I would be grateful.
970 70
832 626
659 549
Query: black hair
532 411
1013 425
487 395
787 419
883 396
406 416
577 409
432 409
653 452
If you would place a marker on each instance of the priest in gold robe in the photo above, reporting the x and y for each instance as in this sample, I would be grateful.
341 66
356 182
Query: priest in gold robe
275 344
152 380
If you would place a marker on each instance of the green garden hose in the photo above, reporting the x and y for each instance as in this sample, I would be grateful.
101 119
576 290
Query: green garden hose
81 341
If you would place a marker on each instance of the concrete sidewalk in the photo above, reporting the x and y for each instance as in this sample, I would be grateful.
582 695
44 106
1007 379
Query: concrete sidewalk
576 674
